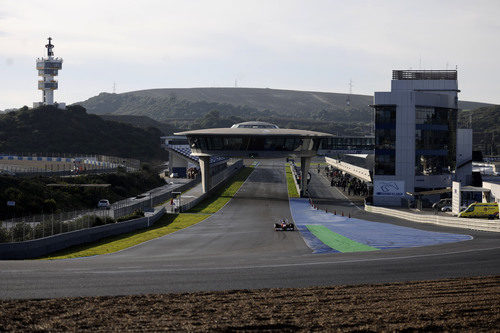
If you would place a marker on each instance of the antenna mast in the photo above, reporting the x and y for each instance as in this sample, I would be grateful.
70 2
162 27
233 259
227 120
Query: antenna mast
348 101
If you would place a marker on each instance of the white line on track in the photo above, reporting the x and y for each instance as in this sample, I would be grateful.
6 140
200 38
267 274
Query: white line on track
291 264
155 239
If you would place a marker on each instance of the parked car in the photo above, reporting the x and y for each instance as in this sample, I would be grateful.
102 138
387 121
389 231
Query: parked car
441 203
103 204
448 208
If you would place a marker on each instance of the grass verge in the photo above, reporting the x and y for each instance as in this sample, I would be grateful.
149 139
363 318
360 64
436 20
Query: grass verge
215 202
292 189
167 224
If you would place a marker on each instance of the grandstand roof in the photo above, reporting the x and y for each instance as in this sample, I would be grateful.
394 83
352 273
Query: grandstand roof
255 131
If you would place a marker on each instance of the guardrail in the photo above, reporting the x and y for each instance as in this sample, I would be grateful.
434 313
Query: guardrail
448 221
43 246
152 201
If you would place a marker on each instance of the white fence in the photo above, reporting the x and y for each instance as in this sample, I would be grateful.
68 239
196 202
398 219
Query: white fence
449 221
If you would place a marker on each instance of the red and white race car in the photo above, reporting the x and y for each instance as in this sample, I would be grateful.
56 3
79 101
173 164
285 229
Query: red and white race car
284 225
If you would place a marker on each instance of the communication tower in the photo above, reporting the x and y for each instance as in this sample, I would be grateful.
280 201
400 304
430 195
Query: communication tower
48 69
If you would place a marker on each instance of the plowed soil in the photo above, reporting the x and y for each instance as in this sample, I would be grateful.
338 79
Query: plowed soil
471 304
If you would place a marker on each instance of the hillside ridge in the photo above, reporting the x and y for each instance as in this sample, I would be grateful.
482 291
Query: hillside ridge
48 129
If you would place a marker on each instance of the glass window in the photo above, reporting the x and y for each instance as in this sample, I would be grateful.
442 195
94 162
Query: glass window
233 143
435 140
385 164
427 165
199 143
385 139
291 144
214 143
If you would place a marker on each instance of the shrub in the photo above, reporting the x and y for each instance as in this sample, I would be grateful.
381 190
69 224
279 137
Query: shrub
49 228
21 231
98 220
4 234
135 215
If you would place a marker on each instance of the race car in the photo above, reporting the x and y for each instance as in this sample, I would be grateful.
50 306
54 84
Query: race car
284 225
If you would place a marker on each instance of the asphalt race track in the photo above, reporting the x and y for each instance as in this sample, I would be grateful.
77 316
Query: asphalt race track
237 248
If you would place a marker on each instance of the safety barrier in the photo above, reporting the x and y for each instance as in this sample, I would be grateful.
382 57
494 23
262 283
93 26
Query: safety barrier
448 221
295 177
152 201
43 246
233 169
356 171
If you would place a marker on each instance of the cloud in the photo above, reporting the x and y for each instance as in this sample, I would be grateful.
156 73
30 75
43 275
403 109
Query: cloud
300 44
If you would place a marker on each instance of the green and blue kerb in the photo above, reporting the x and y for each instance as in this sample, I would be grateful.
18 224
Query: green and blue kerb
336 241
326 233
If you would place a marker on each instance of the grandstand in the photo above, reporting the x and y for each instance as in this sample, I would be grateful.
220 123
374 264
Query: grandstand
181 157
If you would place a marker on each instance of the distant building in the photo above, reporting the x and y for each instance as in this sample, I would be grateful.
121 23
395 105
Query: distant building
48 69
416 136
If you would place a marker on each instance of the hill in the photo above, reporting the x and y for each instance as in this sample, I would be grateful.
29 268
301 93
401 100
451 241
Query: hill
51 130
486 128
194 108
143 122
163 104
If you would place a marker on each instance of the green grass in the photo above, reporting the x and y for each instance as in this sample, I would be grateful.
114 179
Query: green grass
215 202
167 224
292 189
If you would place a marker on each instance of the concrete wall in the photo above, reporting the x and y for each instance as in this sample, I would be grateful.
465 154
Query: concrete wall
43 246
456 222
356 171
223 178
495 191
295 177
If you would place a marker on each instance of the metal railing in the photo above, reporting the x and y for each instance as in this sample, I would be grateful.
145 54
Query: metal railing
44 225
424 74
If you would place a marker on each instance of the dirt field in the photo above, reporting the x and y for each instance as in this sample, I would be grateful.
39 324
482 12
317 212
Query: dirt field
447 305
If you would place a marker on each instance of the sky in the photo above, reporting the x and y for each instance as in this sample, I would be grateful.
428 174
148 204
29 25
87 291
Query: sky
300 45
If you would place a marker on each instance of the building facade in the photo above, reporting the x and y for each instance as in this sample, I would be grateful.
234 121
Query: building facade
416 135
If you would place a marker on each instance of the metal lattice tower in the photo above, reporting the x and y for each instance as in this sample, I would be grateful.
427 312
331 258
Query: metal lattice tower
48 69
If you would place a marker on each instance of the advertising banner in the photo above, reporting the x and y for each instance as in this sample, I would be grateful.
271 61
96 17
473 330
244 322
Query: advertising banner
394 188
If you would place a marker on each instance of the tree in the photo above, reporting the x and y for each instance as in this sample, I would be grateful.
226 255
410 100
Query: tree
49 205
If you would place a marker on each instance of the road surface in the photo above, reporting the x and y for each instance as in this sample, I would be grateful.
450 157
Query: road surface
237 248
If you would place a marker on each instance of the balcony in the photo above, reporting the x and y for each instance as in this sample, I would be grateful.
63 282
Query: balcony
49 64
42 85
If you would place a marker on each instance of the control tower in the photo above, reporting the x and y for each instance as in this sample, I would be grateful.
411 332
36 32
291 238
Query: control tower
48 69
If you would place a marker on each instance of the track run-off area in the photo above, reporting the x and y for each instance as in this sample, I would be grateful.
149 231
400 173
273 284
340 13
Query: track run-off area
237 248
